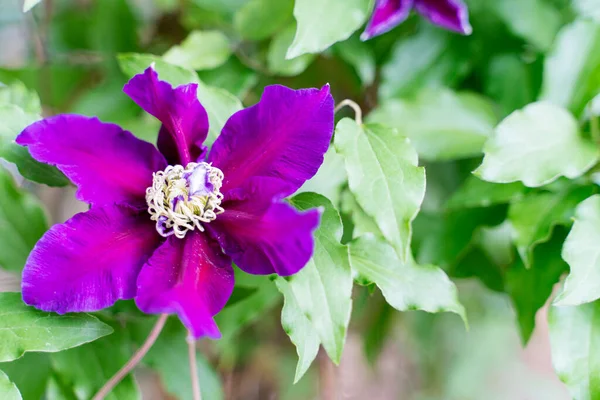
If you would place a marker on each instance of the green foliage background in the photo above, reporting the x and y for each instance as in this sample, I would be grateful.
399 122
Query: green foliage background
468 185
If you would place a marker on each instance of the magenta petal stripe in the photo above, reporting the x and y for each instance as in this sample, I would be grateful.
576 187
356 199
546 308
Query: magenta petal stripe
191 277
184 119
284 136
90 261
108 164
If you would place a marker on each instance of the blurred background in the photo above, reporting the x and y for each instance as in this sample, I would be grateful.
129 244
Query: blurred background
67 52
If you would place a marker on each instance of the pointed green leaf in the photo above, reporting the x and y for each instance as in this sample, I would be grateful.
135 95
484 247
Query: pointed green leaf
219 103
22 223
329 178
533 217
363 223
441 124
8 390
582 253
405 285
30 373
321 291
572 68
87 368
17 94
530 288
322 23
536 145
200 50
24 328
575 344
384 177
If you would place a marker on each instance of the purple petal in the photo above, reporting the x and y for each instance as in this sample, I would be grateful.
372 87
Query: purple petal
185 122
449 14
191 277
90 261
276 240
387 14
109 165
284 136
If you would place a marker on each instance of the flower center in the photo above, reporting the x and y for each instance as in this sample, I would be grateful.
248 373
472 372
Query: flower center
182 199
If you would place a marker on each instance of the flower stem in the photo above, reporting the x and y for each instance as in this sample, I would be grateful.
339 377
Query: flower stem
354 106
193 368
133 361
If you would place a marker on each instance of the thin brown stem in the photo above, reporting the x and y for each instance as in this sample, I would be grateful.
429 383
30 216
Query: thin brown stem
353 105
133 361
193 368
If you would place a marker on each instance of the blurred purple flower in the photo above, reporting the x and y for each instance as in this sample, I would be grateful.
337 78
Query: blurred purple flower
449 14
165 225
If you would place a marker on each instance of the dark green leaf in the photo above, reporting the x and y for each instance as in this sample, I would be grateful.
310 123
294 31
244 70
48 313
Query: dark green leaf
260 19
477 193
276 60
30 373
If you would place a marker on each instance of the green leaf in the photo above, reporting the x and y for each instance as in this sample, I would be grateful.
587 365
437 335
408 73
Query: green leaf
405 285
427 59
233 76
321 291
260 19
530 288
360 56
582 253
22 223
30 373
200 50
12 121
167 356
477 193
588 8
572 68
8 390
87 368
363 223
17 94
575 344
329 178
276 60
24 328
29 4
322 23
384 177
533 217
521 150
224 6
534 20
442 124
219 103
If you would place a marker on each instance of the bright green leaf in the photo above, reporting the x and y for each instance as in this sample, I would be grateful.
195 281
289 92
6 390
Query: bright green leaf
534 20
572 68
276 60
533 217
8 390
233 76
29 4
30 373
22 223
329 178
575 344
405 285
322 23
582 253
363 223
588 8
24 328
477 193
536 145
441 124
384 177
87 368
259 19
200 50
321 291
17 94
133 63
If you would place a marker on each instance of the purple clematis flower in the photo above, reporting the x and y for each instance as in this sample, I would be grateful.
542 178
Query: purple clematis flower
449 14
165 224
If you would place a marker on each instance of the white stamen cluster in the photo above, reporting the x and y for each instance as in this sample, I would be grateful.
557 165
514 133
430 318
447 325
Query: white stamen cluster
172 205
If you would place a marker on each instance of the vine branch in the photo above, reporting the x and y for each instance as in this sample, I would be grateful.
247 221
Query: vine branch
193 368
352 104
